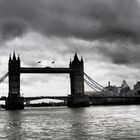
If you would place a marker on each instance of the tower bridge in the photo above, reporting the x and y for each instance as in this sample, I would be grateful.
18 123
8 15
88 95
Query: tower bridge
77 98
75 71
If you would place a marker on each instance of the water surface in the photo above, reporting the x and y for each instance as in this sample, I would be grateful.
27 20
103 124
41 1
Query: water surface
62 123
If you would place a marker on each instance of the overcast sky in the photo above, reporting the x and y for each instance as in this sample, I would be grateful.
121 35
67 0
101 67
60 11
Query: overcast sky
105 32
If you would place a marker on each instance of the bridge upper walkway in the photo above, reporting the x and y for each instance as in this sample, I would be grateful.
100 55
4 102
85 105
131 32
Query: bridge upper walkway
45 70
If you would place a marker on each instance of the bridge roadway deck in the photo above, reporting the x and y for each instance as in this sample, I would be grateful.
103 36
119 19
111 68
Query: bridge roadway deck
45 70
130 96
65 98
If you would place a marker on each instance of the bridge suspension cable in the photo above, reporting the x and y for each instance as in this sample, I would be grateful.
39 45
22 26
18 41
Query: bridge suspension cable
3 77
96 86
90 85
94 83
93 80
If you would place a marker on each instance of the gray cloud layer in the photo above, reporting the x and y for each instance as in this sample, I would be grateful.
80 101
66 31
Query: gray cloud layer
105 20
90 19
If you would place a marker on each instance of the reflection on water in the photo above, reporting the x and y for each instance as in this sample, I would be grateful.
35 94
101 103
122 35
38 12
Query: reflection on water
13 125
62 123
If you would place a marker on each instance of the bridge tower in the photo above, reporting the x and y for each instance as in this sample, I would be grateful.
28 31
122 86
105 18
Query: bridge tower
78 98
14 100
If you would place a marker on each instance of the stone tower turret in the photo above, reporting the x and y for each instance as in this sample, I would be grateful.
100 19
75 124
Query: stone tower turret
77 98
77 76
14 101
14 76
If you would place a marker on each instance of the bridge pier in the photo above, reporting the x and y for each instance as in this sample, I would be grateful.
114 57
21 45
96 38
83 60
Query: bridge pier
78 101
14 103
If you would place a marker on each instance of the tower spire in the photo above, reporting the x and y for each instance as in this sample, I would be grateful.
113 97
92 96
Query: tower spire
9 57
76 57
14 56
81 59
70 61
18 57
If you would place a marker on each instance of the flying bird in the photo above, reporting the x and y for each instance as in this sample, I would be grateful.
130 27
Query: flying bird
53 62
39 62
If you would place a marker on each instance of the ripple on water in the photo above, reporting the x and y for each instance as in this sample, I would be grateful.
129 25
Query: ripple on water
62 123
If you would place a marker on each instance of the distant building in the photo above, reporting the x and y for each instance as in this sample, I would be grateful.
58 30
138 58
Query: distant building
137 88
124 84
111 90
125 89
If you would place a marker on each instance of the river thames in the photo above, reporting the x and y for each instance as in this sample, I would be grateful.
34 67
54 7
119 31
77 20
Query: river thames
62 123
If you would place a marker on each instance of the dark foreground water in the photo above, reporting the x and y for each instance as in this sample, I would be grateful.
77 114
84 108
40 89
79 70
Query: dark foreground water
62 123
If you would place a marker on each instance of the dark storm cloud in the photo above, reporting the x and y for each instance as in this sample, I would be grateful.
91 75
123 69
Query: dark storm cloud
90 19
10 29
103 20
121 53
